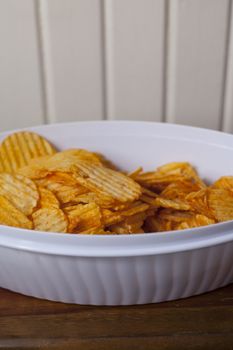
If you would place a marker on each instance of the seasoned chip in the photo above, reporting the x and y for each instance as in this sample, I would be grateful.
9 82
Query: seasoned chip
169 173
83 217
11 216
220 202
90 197
225 182
60 162
64 186
106 182
135 173
199 202
50 220
20 191
131 224
19 148
110 217
180 189
48 199
196 221
174 204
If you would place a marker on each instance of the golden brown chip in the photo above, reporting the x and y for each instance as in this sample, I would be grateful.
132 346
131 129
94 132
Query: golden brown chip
48 199
11 216
64 186
106 182
50 220
83 217
60 162
92 197
180 189
220 202
110 217
225 182
196 221
199 202
169 173
169 203
20 191
131 224
19 148
135 173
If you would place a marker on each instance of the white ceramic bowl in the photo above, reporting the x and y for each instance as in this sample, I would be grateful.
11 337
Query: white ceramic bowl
127 269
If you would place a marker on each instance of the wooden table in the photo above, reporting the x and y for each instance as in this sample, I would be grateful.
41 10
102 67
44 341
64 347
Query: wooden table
201 322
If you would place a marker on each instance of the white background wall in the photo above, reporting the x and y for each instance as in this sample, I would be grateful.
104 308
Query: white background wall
161 60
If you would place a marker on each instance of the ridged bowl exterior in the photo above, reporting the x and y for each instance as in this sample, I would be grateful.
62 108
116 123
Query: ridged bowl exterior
117 280
126 269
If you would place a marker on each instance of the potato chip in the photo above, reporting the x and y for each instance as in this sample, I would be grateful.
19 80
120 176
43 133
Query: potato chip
60 162
50 220
131 224
179 190
169 203
11 216
19 148
20 191
169 173
90 197
48 199
106 182
196 221
110 217
225 182
220 202
64 186
135 173
83 217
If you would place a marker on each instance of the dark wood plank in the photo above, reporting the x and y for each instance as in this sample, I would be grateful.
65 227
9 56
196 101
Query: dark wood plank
204 321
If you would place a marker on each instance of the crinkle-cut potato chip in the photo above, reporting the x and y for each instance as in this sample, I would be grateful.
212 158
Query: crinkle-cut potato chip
179 190
136 172
60 162
169 203
132 224
175 215
225 182
220 202
64 186
199 202
106 182
19 148
83 217
20 191
83 155
50 220
92 197
11 216
169 173
196 221
110 217
47 199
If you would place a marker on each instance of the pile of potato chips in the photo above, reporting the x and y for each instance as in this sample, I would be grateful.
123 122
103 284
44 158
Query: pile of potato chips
77 191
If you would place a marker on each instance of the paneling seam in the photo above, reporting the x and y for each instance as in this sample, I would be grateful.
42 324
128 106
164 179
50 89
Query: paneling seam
107 47
170 65
45 61
226 111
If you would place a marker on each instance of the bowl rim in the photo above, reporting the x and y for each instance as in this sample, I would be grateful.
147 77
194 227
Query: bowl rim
123 245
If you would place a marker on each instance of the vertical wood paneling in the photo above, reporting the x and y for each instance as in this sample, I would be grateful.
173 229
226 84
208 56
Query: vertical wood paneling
135 48
76 57
228 100
20 89
196 78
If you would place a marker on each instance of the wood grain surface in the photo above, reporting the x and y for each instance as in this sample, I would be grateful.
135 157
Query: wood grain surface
201 322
